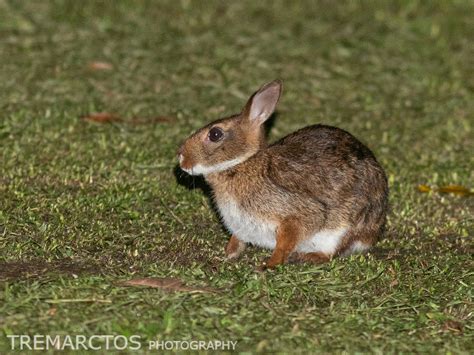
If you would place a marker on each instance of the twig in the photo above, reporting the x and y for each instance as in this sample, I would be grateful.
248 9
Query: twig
78 300
173 214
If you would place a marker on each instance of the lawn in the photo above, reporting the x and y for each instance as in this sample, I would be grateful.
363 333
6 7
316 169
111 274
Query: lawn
86 205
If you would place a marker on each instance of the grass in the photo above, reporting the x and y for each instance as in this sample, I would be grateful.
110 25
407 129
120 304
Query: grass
86 205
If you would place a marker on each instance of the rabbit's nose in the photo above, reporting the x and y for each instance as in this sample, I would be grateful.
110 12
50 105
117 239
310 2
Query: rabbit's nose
179 153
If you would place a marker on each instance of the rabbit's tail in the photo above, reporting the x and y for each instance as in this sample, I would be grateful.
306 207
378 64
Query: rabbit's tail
359 241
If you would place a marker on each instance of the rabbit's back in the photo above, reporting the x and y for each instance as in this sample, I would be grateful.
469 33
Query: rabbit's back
323 144
332 167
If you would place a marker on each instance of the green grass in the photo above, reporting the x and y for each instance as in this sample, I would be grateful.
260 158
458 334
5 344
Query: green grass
84 206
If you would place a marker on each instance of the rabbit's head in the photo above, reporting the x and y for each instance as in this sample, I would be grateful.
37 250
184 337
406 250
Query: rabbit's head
227 142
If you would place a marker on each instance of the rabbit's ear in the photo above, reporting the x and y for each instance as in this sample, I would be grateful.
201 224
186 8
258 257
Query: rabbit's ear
262 104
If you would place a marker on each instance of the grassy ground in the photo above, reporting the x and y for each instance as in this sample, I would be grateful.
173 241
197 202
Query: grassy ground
84 205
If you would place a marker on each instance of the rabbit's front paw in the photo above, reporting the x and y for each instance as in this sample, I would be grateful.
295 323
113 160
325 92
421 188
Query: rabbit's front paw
234 248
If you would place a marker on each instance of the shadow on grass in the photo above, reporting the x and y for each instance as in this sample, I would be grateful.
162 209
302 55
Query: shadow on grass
191 182
36 268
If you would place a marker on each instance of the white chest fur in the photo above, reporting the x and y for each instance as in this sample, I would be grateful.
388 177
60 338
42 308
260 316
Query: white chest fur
246 227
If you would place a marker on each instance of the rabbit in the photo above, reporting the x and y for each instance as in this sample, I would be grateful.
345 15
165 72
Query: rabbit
313 195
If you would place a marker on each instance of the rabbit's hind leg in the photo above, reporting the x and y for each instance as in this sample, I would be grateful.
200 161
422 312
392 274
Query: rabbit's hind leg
312 258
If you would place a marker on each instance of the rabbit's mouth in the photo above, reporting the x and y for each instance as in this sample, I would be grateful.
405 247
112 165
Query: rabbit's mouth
188 165
200 169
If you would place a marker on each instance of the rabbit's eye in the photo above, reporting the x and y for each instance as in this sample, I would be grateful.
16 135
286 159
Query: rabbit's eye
215 134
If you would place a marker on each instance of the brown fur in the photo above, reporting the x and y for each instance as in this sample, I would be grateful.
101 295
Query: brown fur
317 178
234 247
313 258
288 235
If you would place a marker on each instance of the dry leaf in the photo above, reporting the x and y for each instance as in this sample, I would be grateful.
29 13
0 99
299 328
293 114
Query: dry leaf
424 188
52 311
107 117
157 119
455 189
453 326
101 117
167 284
262 345
100 66
295 328
394 283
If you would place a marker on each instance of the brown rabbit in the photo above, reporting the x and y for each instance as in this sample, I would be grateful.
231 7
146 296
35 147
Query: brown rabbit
312 195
